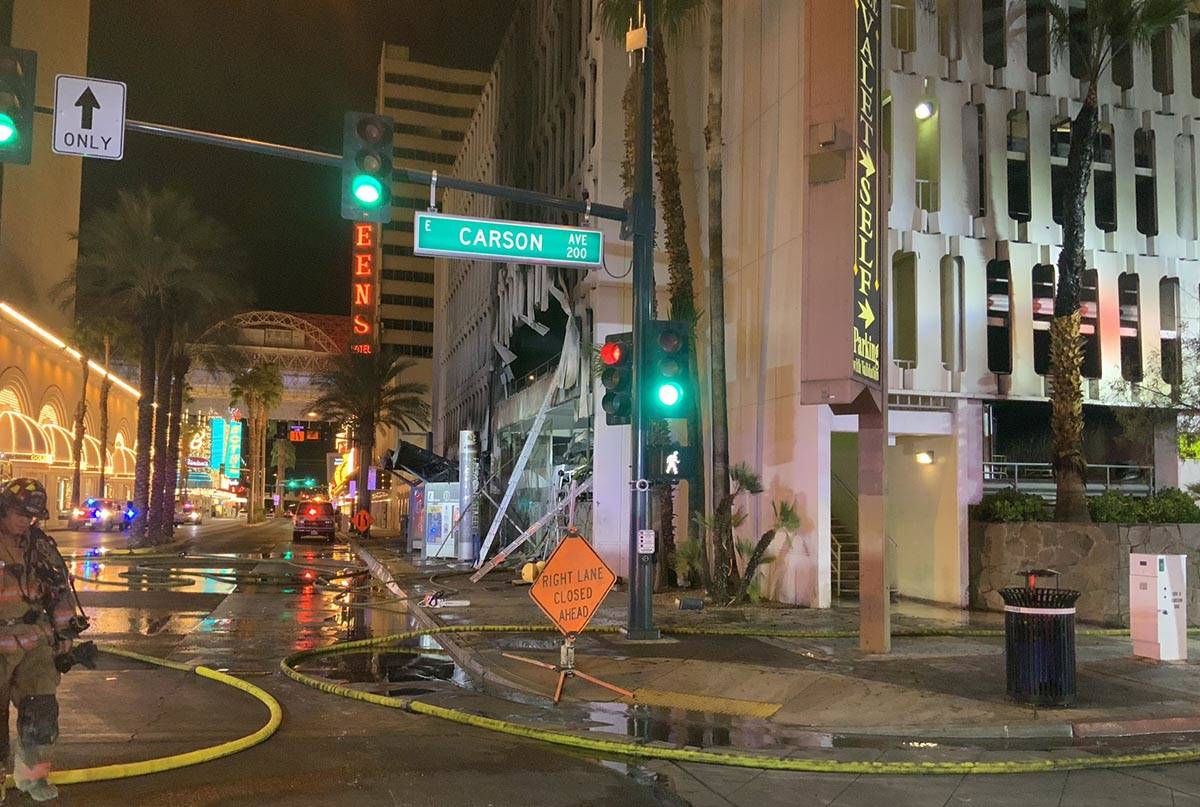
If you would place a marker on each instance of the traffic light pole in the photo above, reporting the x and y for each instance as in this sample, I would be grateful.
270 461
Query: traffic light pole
400 174
641 563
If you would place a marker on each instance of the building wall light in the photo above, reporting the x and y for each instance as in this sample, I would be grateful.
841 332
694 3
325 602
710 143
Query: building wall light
924 110
924 457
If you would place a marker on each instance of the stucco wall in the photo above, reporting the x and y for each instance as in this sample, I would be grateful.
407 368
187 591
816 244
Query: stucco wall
1093 558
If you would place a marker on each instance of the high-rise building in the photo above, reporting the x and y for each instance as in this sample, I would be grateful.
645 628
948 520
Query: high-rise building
39 202
432 107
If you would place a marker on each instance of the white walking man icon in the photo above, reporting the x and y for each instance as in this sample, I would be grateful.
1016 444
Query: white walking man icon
672 463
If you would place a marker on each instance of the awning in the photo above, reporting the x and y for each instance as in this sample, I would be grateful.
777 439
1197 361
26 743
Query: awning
423 466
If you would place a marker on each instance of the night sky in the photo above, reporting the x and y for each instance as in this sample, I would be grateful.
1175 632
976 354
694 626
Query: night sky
278 70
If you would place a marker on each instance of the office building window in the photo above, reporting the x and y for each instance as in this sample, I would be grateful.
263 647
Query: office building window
402 250
999 317
406 299
1144 187
1037 31
995 40
414 325
406 80
1169 324
1104 180
929 153
1060 149
399 226
1018 166
1042 289
1185 185
1193 34
1162 52
953 336
975 158
1089 329
904 309
417 351
1128 296
904 25
433 109
408 275
949 29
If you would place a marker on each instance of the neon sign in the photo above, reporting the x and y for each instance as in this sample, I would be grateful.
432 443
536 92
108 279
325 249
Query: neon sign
363 283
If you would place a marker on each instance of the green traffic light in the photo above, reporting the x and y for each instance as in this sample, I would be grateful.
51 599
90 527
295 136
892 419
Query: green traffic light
367 190
8 130
669 394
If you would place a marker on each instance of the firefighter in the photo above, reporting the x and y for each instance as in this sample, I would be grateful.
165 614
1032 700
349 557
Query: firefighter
39 618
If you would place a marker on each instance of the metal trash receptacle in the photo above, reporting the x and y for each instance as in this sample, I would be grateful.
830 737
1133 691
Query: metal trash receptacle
1039 641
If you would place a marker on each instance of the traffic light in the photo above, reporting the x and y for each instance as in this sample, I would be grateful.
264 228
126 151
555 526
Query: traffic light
616 356
367 152
18 82
668 390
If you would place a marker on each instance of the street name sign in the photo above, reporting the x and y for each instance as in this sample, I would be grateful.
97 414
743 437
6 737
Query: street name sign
439 234
573 584
89 117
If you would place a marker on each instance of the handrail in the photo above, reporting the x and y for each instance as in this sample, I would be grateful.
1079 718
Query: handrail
836 548
834 477
1014 473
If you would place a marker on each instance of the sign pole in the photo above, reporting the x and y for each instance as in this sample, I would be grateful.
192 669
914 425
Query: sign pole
641 563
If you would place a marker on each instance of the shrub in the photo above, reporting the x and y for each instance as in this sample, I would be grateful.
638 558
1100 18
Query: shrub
1012 505
1170 506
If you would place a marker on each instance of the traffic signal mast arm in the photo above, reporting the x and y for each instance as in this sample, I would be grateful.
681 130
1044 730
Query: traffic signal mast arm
399 174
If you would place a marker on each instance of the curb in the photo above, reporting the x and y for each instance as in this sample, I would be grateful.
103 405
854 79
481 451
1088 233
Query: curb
1057 730
493 682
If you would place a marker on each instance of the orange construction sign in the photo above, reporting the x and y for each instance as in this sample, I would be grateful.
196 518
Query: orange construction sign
362 521
573 584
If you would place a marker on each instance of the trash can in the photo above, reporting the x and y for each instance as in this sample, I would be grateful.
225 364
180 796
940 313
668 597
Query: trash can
1039 641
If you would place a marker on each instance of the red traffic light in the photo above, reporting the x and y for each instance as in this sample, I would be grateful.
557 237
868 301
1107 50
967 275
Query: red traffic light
611 353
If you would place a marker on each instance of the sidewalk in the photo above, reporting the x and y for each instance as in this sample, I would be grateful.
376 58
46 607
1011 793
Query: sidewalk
787 691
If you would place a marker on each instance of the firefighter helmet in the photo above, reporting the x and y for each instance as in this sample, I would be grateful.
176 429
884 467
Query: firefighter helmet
27 496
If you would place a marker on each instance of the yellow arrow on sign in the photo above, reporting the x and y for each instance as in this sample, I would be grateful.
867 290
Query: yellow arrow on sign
865 313
867 162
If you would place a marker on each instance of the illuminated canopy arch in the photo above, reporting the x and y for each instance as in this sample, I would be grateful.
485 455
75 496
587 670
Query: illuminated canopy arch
22 438
275 319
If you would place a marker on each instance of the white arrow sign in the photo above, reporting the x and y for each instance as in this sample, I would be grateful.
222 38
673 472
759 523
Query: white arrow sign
89 117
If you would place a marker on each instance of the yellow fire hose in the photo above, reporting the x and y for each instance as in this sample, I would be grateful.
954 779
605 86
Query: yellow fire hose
125 770
1190 753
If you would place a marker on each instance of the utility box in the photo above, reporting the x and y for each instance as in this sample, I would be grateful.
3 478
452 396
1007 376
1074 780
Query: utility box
432 512
1158 606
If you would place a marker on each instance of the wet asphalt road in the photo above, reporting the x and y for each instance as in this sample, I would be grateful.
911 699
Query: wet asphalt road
329 750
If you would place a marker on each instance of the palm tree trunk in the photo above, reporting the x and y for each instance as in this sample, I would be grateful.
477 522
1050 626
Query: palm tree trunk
77 447
631 108
105 389
1066 355
366 448
714 157
162 415
145 436
179 370
280 472
681 286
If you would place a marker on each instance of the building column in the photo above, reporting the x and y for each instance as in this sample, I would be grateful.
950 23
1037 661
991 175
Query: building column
610 448
1166 451
968 462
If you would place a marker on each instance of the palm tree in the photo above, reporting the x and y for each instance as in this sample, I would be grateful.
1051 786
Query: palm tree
106 385
259 388
80 424
283 457
142 258
365 393
723 553
1101 32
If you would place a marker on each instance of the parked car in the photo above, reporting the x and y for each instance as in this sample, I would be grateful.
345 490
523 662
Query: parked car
314 518
186 513
96 514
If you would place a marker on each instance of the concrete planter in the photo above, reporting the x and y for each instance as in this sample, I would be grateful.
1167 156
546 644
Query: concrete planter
1093 558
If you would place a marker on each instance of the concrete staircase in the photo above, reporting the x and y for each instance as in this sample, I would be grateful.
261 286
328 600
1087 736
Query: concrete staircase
847 539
